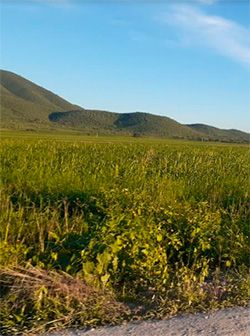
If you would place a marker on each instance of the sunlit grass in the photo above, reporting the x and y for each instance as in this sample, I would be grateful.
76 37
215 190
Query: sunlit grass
161 223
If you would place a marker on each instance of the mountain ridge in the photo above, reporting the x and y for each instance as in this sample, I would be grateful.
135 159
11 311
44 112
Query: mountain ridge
25 104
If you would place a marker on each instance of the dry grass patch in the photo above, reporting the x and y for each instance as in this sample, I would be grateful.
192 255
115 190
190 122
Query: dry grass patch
34 300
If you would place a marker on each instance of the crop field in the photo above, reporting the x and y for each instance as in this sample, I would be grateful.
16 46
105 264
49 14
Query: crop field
98 230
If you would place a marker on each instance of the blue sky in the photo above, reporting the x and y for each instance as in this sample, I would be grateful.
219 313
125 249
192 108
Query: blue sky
188 60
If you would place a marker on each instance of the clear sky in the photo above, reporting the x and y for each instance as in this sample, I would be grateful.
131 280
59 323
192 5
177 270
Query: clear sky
188 60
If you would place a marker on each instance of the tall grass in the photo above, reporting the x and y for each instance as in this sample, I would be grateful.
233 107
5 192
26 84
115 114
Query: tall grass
163 225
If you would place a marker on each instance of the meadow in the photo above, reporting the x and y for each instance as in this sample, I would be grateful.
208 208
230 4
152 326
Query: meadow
98 230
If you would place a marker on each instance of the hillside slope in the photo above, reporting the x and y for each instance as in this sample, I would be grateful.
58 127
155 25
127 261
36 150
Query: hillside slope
25 105
218 134
135 123
23 102
87 120
153 125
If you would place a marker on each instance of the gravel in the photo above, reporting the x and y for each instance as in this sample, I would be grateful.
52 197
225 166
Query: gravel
225 322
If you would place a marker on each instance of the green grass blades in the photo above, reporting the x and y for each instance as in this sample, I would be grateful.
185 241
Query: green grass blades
162 225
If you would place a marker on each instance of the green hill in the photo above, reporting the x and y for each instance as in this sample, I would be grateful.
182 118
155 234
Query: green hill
136 123
153 125
88 120
218 134
27 105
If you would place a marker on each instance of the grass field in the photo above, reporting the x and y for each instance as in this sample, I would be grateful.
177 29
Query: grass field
96 230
